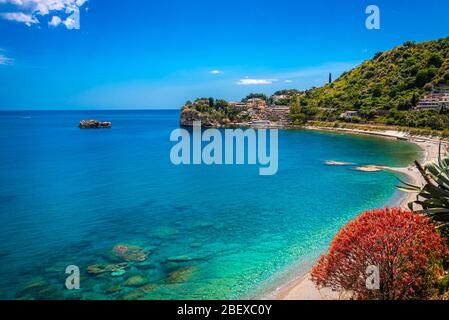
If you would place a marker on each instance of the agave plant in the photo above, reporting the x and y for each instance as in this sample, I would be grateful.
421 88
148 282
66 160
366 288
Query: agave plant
433 197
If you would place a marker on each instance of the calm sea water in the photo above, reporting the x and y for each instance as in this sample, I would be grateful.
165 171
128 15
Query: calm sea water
68 196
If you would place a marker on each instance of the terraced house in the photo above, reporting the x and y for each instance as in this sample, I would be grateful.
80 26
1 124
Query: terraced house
437 100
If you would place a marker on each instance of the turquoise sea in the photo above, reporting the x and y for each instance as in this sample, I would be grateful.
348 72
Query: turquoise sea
68 196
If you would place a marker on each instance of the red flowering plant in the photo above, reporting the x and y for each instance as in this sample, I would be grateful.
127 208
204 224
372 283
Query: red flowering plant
403 246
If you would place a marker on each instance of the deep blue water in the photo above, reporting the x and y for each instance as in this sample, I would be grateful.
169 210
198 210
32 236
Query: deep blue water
68 196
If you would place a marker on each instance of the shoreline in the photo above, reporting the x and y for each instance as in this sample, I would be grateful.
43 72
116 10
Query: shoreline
428 146
302 288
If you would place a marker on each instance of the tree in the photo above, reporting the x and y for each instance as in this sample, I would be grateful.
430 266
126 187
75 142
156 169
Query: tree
221 104
425 75
256 96
414 100
368 113
211 102
446 76
404 246
377 90
405 104
287 92
296 116
435 60
377 55
410 44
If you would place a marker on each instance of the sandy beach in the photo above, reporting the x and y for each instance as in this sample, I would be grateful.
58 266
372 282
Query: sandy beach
303 288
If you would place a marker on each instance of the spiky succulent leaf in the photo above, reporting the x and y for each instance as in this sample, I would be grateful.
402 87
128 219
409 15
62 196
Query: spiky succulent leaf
433 197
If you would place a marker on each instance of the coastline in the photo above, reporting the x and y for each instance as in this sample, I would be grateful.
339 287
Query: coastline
302 288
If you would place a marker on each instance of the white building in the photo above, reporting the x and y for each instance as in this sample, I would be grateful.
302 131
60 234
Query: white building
348 115
256 103
277 98
434 101
238 105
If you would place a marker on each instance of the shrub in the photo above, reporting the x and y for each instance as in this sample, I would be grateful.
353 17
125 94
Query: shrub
403 245
433 197
435 60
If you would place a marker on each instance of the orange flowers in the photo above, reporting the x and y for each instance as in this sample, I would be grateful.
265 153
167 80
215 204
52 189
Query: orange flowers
404 246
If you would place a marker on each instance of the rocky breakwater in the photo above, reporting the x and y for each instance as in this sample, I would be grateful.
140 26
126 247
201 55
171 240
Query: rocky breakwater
94 124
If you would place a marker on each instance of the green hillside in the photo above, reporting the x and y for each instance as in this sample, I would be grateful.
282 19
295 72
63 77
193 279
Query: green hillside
384 89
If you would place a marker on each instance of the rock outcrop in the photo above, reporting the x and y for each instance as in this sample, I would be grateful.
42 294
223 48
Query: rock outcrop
276 116
94 124
188 116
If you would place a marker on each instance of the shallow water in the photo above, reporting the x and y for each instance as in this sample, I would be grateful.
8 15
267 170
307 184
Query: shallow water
68 196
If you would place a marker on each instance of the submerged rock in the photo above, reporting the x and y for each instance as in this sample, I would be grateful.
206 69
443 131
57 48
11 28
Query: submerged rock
135 281
120 249
146 265
165 233
31 289
48 293
150 287
94 124
97 269
136 256
130 253
181 275
116 267
35 285
180 259
118 273
39 291
133 295
368 169
113 289
196 245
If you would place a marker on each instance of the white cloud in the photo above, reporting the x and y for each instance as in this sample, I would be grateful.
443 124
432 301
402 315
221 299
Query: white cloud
70 23
216 72
302 78
252 82
30 11
55 21
21 17
4 60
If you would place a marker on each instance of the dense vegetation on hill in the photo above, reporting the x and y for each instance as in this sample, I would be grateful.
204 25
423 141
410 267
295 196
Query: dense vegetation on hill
256 96
212 112
383 89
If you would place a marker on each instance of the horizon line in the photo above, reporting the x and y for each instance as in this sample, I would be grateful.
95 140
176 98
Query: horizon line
148 109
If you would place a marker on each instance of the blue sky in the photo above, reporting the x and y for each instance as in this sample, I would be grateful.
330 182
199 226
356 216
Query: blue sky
158 54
